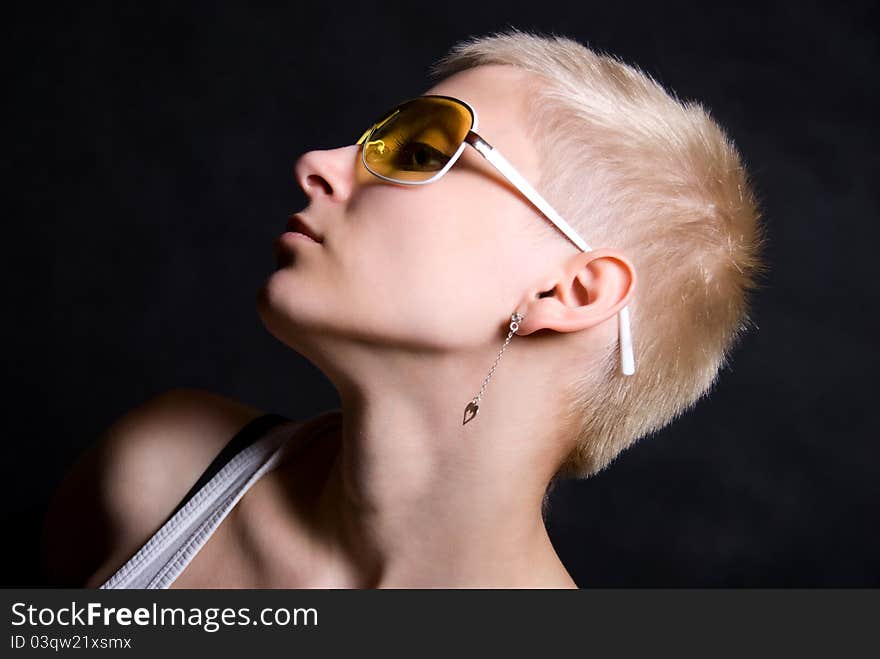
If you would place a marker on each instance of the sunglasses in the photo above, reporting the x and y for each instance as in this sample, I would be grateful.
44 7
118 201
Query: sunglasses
419 140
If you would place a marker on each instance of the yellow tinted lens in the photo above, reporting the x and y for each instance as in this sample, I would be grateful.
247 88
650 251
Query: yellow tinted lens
416 139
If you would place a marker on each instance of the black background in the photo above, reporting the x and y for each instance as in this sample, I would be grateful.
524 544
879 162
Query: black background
147 173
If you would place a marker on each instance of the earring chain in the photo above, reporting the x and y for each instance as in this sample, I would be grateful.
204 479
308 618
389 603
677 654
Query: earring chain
474 405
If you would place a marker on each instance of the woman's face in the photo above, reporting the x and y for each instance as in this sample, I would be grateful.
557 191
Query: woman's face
417 268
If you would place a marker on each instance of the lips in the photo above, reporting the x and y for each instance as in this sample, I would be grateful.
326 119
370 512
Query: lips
298 224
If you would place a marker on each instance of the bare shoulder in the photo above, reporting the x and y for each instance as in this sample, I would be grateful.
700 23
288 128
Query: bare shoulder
124 487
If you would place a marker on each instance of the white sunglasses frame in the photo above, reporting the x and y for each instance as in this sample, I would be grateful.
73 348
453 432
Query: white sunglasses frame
490 153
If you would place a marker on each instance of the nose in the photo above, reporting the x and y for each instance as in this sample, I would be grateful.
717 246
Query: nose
327 173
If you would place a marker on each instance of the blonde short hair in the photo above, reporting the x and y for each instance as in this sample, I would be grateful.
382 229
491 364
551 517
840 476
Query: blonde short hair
634 168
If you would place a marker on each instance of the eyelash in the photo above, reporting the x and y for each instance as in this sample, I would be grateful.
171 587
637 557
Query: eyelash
398 143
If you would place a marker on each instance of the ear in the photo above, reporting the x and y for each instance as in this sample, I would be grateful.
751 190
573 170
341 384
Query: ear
589 288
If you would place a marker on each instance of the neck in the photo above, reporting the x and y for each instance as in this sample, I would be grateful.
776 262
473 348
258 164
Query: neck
416 499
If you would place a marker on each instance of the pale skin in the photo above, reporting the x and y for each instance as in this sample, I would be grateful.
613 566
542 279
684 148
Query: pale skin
404 307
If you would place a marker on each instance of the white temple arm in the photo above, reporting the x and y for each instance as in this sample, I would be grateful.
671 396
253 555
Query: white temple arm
627 360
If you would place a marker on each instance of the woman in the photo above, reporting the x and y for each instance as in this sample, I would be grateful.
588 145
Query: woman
429 255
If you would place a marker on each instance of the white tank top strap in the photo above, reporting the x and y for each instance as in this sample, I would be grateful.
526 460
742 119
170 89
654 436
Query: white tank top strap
167 553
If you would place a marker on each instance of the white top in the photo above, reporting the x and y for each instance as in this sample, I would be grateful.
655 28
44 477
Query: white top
167 553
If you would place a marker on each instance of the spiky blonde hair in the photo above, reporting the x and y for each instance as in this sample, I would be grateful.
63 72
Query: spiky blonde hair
633 167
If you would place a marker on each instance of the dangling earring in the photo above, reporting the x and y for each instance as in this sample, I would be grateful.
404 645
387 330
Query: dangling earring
474 406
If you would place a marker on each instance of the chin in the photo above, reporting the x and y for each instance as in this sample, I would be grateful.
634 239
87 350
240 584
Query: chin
277 313
267 307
